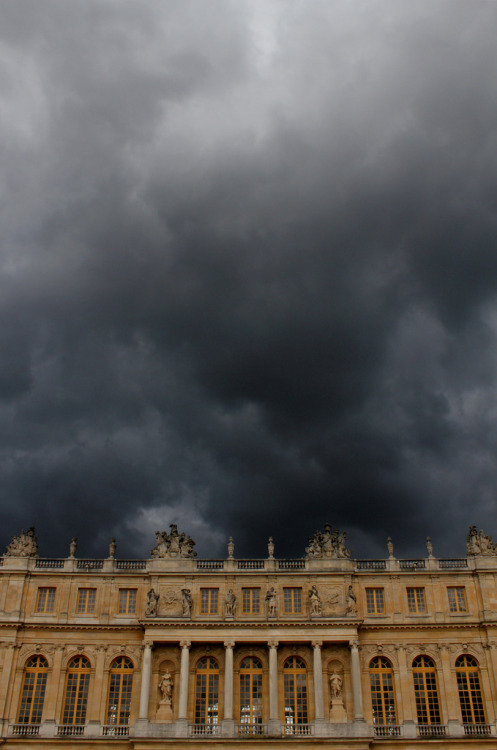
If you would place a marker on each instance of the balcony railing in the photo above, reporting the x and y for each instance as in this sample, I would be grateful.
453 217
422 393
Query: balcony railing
49 562
251 564
297 730
115 730
70 730
432 730
210 564
452 563
291 564
251 729
131 564
477 730
371 564
26 730
387 730
205 730
411 564
90 564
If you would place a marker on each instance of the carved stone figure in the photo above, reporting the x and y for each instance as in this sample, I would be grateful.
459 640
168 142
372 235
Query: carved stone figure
271 602
316 606
166 687
478 543
336 686
152 604
390 546
73 546
270 548
231 548
429 546
24 544
187 602
230 603
173 544
350 602
328 544
112 548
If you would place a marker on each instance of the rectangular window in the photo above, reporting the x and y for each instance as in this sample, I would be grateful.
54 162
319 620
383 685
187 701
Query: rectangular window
208 601
127 601
416 601
45 600
457 599
251 601
292 599
86 601
375 601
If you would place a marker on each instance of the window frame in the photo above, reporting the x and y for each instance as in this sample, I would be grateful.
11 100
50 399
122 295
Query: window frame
457 604
45 600
427 699
251 600
469 689
295 693
207 692
383 684
33 690
126 598
416 600
78 683
373 605
292 600
90 599
209 601
124 689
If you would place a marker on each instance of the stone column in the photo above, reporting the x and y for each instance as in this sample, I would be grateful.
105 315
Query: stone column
356 681
145 684
182 723
274 727
405 705
228 723
450 694
318 682
8 673
52 693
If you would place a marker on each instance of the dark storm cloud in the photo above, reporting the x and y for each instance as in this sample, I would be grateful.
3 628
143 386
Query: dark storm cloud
248 276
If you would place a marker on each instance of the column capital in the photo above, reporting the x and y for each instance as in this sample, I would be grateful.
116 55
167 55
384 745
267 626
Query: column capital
229 644
354 645
185 644
147 644
317 644
273 644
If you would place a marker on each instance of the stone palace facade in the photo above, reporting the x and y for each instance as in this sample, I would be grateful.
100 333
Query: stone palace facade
322 651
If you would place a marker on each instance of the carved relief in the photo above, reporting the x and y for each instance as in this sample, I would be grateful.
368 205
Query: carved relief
478 543
173 544
24 544
332 600
170 603
327 544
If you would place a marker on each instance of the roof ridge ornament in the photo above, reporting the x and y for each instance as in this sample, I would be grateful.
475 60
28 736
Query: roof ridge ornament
328 544
172 545
24 544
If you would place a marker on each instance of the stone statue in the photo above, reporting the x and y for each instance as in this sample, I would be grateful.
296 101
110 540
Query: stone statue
350 602
328 544
316 606
112 548
187 602
390 546
73 546
270 548
173 544
271 602
152 604
478 543
230 604
166 687
429 546
336 686
231 548
24 544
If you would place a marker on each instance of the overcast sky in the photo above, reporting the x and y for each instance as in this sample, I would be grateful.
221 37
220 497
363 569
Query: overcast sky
248 272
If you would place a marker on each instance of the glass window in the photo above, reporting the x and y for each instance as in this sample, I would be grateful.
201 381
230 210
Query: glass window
209 601
76 692
119 695
382 691
33 691
295 691
45 601
127 601
251 691
470 695
426 690
416 600
251 601
457 599
375 601
292 598
86 601
207 692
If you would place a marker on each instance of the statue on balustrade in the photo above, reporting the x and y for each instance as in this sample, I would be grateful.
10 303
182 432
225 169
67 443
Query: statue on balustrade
24 544
173 544
328 544
230 604
271 602
315 600
152 604
187 602
478 543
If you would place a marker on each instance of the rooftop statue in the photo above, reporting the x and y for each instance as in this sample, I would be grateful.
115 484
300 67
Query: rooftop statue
173 544
24 544
478 543
328 544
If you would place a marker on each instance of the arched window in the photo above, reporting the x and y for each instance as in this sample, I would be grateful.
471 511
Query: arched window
426 690
76 692
470 695
33 691
207 692
119 696
251 691
295 691
382 692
